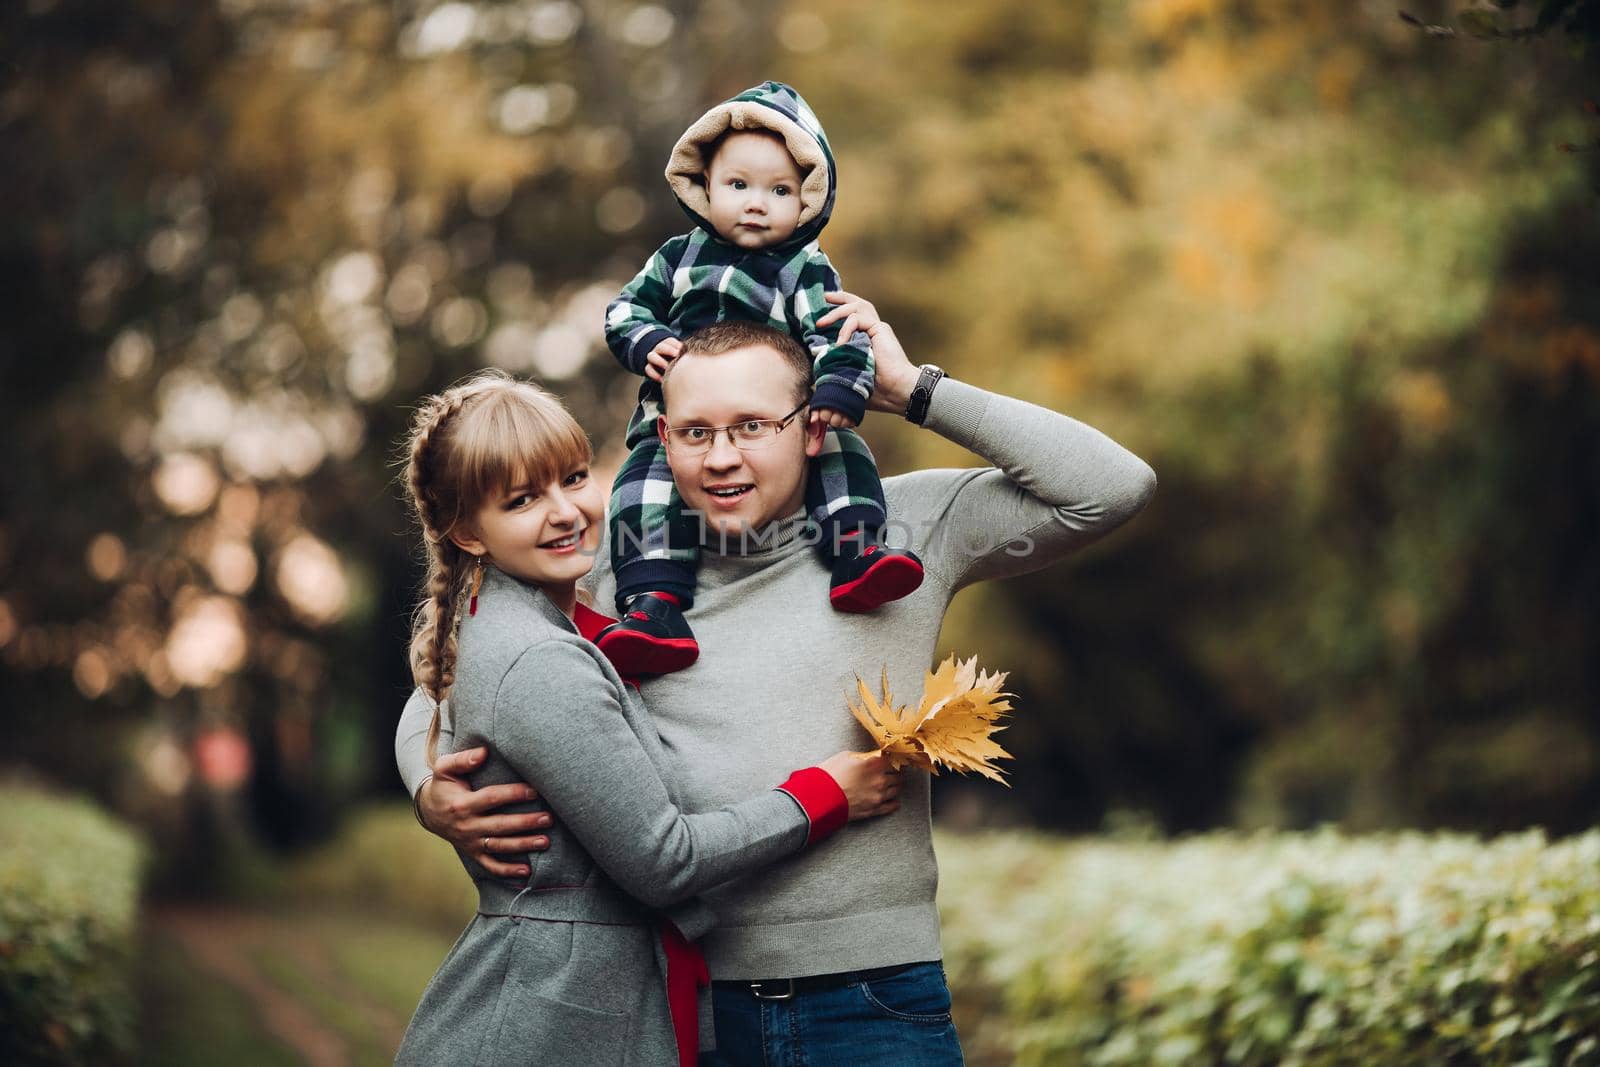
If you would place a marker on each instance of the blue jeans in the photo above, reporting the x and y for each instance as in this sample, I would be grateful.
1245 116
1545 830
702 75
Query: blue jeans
899 1021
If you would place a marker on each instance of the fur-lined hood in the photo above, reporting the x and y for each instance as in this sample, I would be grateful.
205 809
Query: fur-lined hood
771 106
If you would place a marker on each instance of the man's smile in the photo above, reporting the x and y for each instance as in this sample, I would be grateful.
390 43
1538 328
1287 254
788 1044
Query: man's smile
728 494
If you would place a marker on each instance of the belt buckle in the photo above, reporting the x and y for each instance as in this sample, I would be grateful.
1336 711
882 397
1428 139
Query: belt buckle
787 994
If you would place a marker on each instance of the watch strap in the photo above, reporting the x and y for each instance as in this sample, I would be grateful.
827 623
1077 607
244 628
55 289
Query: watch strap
922 393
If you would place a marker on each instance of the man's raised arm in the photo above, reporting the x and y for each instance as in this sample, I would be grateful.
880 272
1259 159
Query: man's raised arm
1056 483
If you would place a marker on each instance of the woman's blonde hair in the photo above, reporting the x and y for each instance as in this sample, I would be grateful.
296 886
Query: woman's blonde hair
473 441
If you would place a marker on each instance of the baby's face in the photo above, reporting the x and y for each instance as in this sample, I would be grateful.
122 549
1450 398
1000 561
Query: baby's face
754 188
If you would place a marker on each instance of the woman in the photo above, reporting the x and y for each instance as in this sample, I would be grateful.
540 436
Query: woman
575 964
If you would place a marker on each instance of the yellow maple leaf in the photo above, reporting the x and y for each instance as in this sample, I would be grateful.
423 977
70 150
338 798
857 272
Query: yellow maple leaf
888 726
952 726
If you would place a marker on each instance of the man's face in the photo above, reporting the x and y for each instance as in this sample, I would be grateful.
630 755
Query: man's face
736 490
754 188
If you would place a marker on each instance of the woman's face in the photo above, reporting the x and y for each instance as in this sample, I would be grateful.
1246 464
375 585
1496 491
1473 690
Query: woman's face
544 534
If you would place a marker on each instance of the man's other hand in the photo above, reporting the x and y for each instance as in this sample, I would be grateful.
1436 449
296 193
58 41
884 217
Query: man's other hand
894 376
467 818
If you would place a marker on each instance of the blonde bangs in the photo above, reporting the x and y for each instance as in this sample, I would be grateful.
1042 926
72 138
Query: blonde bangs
515 435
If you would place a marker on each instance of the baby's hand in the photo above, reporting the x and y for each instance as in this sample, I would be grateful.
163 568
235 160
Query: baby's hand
661 357
836 420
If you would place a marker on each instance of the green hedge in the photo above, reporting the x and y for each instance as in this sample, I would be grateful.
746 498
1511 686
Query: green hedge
1294 949
69 896
1284 949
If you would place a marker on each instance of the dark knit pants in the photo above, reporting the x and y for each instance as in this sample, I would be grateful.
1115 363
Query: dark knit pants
655 541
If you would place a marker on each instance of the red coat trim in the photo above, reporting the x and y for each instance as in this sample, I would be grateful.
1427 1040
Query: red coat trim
589 621
686 975
820 797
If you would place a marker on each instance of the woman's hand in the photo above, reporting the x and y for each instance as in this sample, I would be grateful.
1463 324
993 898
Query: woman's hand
895 376
448 806
868 784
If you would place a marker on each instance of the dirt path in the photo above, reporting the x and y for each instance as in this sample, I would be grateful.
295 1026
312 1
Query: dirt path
308 944
222 943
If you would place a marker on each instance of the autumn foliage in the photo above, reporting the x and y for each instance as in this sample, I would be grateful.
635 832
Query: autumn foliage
952 726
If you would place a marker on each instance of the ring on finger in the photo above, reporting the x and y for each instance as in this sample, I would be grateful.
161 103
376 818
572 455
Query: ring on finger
486 844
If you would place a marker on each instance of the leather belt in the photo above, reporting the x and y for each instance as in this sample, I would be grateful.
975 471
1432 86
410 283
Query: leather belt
789 988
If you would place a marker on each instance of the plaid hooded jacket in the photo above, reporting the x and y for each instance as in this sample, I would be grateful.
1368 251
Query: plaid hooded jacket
697 278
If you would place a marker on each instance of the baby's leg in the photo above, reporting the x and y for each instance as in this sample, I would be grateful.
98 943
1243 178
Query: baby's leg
844 498
844 495
652 549
653 559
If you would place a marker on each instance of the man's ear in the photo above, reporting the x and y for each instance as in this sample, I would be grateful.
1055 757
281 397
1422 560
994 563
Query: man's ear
815 432
661 428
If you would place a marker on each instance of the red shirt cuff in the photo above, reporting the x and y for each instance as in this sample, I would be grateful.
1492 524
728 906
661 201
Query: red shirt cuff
820 797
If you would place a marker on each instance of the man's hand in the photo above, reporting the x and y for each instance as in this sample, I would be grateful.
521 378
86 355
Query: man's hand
835 419
895 376
661 357
465 817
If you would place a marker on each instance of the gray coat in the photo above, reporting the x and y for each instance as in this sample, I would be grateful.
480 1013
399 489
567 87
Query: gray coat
565 968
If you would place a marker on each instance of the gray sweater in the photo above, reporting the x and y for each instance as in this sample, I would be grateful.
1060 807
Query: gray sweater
777 664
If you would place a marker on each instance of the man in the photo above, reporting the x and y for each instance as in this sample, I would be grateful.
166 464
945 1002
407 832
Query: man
832 956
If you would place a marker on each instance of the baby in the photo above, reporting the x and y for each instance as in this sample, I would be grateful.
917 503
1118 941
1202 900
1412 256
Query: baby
756 176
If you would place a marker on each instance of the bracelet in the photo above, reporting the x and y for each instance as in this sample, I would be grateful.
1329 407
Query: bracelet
922 393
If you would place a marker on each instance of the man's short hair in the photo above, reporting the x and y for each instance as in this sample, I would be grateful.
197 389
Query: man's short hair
734 334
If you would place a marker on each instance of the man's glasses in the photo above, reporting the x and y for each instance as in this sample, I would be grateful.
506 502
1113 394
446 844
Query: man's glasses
746 436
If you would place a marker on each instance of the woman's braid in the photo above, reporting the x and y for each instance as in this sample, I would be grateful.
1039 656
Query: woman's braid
434 633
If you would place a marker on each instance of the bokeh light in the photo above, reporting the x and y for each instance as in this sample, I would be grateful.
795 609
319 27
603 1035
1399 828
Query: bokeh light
186 483
107 556
312 579
233 566
207 642
223 758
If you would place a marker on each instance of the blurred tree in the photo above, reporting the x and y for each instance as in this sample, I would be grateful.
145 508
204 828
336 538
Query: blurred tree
242 237
1575 23
1512 20
1271 244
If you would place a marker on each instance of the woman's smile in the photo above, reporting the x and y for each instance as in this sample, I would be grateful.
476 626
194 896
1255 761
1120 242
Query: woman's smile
566 543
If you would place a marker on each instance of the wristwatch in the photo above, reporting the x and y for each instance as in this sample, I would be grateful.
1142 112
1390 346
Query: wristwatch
922 393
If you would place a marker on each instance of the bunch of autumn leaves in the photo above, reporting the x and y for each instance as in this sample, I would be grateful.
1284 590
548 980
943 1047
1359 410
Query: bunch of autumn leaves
952 726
